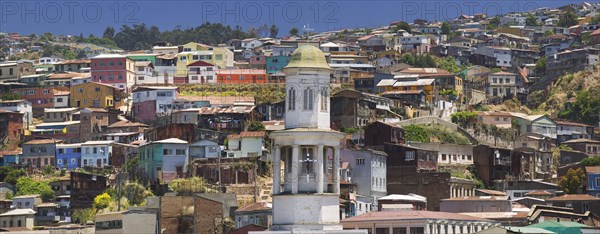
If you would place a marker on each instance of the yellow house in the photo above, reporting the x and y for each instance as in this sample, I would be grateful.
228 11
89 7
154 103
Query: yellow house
408 82
193 52
95 95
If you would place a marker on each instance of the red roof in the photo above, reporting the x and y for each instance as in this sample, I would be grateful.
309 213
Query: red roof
42 141
538 193
257 134
258 206
595 169
574 197
595 32
200 64
560 122
409 215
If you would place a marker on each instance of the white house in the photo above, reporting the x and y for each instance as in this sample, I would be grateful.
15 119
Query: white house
202 72
21 106
245 144
205 149
149 101
61 99
26 201
501 84
49 60
251 43
144 72
333 47
165 49
175 157
96 153
417 43
369 174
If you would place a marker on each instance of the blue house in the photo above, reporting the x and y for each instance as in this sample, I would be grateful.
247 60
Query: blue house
276 63
8 158
68 156
593 176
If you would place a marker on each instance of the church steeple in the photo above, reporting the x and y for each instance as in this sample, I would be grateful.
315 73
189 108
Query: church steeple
306 154
307 89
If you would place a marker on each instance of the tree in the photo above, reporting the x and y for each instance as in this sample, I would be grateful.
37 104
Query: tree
494 23
13 175
256 126
595 20
584 109
101 201
403 26
294 32
82 216
463 118
531 21
273 31
567 19
27 186
109 33
190 185
446 30
571 182
548 33
448 64
590 162
47 37
136 193
540 66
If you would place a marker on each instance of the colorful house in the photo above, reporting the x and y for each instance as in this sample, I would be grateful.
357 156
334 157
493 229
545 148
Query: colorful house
164 160
95 95
113 69
201 72
593 177
68 156
192 52
96 153
275 63
39 153
152 101
242 76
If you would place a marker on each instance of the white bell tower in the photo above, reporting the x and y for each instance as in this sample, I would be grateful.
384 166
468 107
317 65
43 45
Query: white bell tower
306 154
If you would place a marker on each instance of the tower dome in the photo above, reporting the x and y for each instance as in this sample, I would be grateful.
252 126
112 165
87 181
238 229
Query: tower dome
308 56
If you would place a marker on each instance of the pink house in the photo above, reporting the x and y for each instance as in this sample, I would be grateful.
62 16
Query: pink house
113 69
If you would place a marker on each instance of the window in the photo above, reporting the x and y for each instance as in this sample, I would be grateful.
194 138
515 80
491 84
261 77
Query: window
45 91
10 71
410 156
242 77
308 99
195 57
101 64
209 77
94 150
443 157
292 99
120 78
111 63
140 78
324 99
120 63
59 99
179 152
59 161
182 58
167 151
360 161
194 77
111 77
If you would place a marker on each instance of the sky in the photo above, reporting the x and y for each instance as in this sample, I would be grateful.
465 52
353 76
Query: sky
92 17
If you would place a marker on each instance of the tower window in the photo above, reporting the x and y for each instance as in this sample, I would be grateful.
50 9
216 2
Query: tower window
292 99
324 97
308 99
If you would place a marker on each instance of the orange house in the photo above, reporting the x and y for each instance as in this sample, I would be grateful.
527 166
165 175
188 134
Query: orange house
242 76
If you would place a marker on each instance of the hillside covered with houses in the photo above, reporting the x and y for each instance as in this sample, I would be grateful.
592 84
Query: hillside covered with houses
479 124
